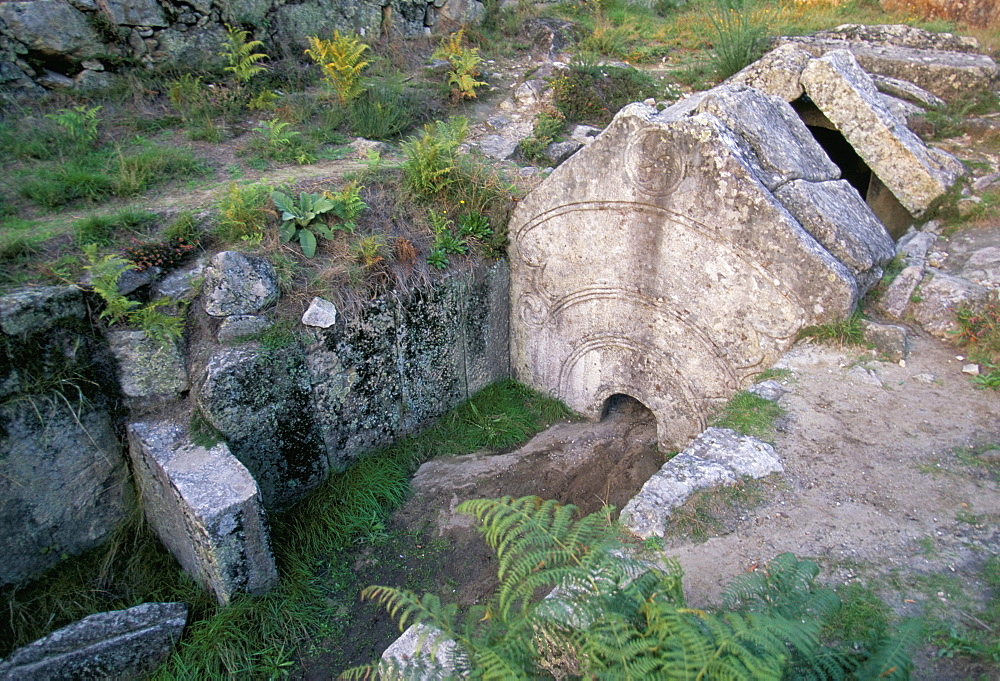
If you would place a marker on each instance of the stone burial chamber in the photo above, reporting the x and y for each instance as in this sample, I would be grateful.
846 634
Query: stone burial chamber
857 88
681 252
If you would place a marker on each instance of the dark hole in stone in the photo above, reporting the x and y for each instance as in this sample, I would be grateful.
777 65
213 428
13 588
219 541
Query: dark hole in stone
57 63
852 167
620 403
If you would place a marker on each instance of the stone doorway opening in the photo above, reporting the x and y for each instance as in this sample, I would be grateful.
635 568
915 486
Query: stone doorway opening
628 407
854 169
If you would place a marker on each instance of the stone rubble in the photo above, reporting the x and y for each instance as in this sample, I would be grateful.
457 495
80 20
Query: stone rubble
119 644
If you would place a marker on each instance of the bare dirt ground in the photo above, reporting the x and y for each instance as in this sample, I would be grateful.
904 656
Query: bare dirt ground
885 483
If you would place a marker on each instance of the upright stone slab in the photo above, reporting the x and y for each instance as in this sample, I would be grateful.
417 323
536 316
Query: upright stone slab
655 263
120 644
205 507
260 400
847 96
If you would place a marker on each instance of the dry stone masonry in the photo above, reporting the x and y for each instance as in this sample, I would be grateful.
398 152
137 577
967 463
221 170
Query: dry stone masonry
59 44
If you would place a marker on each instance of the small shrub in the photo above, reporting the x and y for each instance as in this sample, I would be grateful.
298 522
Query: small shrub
382 111
369 251
446 242
593 94
465 65
341 60
79 124
979 332
275 141
243 213
549 124
240 57
184 226
300 218
166 254
119 309
430 158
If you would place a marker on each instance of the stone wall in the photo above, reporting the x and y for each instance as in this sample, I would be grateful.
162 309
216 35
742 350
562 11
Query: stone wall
82 43
64 483
290 415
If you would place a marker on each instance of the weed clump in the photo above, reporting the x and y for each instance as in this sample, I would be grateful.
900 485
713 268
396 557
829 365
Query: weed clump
591 93
979 332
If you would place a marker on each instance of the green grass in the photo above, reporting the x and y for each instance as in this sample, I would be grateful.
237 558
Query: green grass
314 545
105 230
104 174
749 414
715 511
862 619
842 332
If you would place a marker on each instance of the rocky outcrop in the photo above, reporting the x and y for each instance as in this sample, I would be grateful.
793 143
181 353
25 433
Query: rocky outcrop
675 279
63 44
205 507
948 66
120 644
64 484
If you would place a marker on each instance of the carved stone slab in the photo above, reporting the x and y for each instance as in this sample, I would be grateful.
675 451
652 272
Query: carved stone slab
205 507
656 263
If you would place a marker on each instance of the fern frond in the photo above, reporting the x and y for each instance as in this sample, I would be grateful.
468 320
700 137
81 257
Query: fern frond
406 606
891 659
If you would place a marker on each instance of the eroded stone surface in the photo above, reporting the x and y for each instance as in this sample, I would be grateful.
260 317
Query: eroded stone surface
119 644
946 65
34 310
848 98
205 507
672 280
776 73
65 484
835 215
147 368
261 403
238 284
938 297
717 456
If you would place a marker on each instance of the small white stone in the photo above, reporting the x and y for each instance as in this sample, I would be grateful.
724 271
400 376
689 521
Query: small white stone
971 369
321 313
902 363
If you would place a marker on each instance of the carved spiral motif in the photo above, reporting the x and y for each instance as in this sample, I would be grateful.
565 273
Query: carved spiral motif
533 310
654 164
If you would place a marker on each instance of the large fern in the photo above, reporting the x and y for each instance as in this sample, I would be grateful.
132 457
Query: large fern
607 616
243 62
